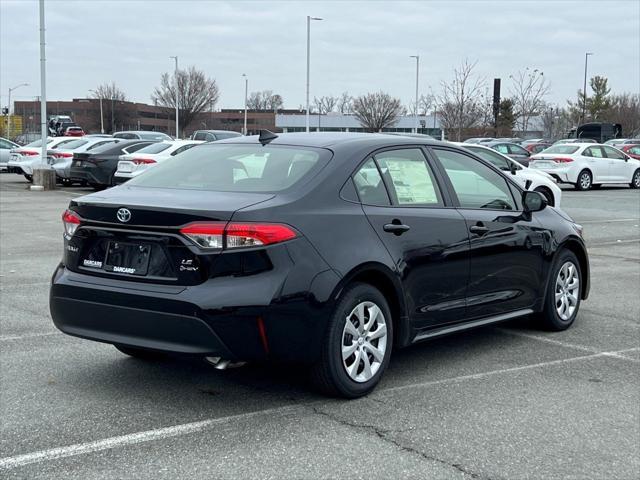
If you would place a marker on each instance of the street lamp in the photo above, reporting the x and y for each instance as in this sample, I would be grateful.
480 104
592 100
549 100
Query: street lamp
101 117
584 88
9 107
246 91
309 18
175 76
417 57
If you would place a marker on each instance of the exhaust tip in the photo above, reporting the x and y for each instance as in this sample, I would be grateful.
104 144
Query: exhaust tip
222 363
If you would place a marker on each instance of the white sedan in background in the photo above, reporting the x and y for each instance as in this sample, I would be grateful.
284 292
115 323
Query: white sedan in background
588 165
23 159
5 150
62 157
527 178
133 164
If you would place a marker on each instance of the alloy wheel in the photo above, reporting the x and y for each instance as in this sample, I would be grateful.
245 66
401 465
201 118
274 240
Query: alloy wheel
567 290
636 179
364 341
585 180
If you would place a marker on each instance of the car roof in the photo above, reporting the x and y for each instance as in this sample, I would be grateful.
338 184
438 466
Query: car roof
335 139
501 142
219 131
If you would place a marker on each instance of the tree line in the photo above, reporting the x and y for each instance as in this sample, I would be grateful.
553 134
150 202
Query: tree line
465 104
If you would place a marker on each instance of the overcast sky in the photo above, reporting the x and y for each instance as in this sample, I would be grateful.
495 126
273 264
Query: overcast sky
358 47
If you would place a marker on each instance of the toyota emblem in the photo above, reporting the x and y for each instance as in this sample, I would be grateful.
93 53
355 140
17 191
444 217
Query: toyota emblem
124 215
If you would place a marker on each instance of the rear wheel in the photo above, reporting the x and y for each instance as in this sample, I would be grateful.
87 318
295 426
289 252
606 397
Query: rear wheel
357 343
635 179
547 194
563 293
141 353
584 180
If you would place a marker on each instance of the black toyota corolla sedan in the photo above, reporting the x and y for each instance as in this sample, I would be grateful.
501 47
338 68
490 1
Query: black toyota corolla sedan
331 250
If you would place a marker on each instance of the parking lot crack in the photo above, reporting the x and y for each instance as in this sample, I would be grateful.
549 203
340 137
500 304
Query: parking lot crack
385 435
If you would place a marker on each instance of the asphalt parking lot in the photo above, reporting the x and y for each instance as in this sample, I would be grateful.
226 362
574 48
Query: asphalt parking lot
499 402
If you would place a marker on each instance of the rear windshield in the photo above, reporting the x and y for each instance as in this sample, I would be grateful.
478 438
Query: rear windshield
236 168
153 136
38 143
155 148
75 144
562 148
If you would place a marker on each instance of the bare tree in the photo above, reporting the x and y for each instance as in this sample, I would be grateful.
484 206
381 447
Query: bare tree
528 90
460 101
556 122
265 100
376 111
115 109
195 94
345 103
426 104
324 105
625 110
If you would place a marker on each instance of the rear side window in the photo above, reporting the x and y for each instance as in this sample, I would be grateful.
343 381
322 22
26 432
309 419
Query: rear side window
135 147
75 144
517 150
501 148
369 185
408 177
236 168
595 152
155 148
476 185
184 148
490 156
200 136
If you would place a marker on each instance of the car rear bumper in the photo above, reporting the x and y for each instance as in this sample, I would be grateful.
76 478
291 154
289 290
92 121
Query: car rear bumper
238 318
91 174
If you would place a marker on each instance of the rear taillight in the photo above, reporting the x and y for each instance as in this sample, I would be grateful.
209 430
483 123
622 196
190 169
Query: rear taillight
29 153
563 160
143 161
61 155
218 235
71 222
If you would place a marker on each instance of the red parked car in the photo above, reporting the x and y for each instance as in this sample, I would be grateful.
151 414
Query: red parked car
74 132
536 147
633 150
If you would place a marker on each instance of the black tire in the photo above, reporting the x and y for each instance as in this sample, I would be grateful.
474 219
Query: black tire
635 179
66 182
329 373
547 194
28 177
585 180
549 318
140 353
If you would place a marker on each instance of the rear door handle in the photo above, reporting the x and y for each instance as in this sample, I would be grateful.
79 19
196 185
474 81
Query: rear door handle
396 228
479 229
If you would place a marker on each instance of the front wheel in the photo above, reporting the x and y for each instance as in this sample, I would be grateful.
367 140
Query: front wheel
635 179
563 293
584 180
357 343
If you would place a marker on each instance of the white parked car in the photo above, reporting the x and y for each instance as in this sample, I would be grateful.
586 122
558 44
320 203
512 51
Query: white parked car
5 151
133 164
535 180
588 165
62 157
23 159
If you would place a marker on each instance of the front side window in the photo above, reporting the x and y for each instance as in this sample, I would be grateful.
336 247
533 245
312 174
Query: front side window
199 136
369 185
476 185
236 168
408 176
517 150
614 153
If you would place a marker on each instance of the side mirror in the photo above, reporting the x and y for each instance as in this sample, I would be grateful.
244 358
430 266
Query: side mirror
533 201
512 168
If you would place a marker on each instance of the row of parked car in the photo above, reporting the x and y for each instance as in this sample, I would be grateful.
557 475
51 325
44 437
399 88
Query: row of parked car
103 160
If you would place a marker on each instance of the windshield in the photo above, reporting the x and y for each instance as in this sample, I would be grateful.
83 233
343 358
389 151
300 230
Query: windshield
491 156
236 168
562 148
75 144
38 143
154 148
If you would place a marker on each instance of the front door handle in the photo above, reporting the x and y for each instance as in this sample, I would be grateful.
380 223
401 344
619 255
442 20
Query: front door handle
479 229
396 228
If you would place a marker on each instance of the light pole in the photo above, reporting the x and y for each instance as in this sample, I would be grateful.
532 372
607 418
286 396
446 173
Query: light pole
309 18
101 116
175 80
417 57
246 92
584 88
9 107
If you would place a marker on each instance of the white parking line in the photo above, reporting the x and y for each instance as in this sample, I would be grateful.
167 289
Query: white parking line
611 221
4 338
8 463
